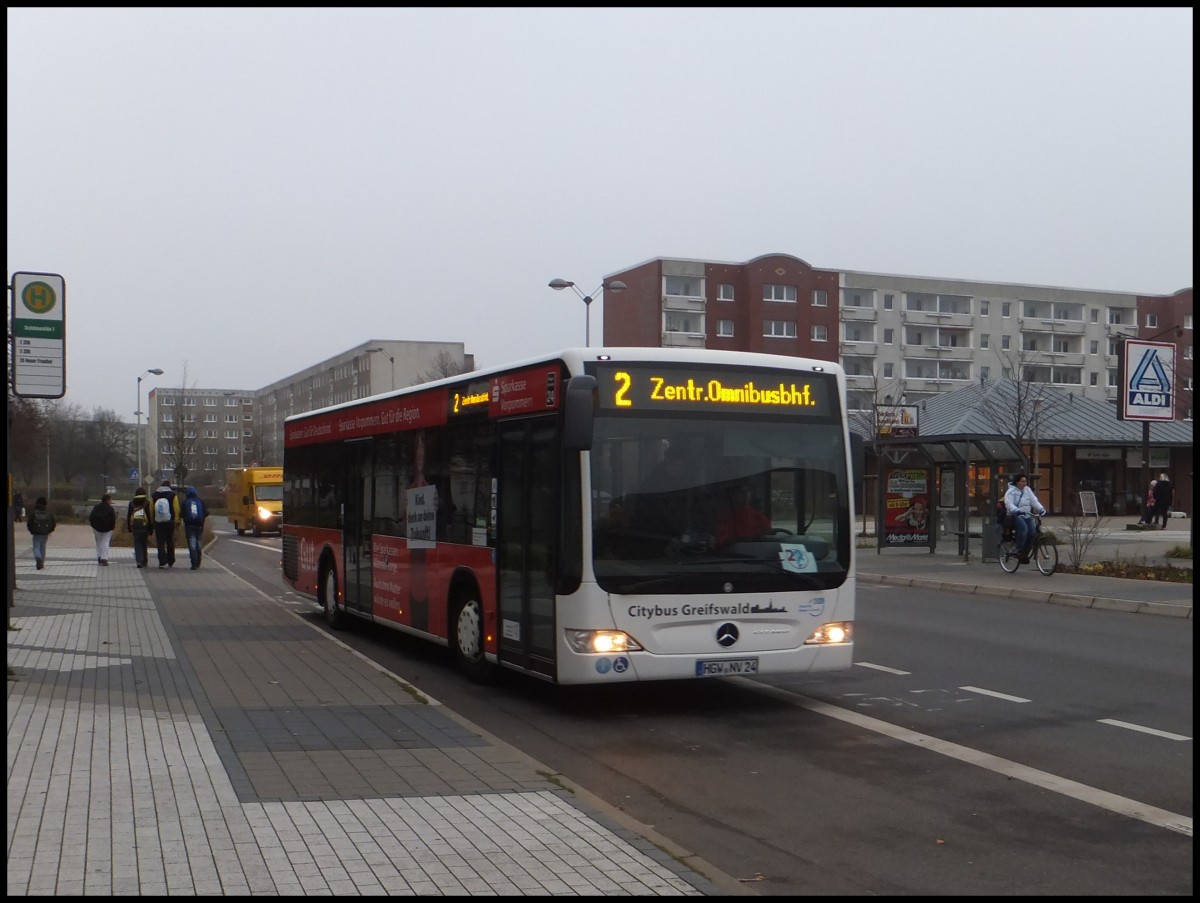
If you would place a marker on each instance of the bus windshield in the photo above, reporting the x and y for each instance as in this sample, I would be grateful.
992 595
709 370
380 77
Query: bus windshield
719 504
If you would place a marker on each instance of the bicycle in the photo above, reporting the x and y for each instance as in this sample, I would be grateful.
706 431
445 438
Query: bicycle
1043 552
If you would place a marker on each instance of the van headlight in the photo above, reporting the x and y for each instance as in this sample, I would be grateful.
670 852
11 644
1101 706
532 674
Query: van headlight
602 641
264 514
830 634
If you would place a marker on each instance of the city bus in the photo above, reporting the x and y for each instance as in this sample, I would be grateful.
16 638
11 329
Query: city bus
573 517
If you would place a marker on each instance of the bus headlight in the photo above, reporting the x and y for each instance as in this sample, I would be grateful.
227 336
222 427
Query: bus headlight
831 633
585 641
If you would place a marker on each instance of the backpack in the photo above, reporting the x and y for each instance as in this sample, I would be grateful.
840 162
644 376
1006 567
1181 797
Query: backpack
162 510
193 513
139 518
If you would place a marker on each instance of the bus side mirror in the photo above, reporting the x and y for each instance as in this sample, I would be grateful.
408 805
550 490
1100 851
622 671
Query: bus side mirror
579 412
858 458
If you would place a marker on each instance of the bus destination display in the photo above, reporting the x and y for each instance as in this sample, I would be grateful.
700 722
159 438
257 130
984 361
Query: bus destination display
641 386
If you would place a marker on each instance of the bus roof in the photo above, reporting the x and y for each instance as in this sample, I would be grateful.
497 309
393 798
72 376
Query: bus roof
575 358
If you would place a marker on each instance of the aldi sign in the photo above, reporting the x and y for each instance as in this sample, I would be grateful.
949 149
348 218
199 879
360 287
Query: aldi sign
1147 380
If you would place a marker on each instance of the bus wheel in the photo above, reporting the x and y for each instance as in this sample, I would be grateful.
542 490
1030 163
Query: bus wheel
466 639
333 615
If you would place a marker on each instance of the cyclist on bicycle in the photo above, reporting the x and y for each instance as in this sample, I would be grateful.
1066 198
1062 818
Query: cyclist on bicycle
1021 505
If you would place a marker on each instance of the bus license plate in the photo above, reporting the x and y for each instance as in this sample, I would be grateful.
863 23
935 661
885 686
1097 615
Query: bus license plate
723 666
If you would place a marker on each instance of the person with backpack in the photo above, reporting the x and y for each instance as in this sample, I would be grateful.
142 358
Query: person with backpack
194 513
166 516
40 524
138 520
103 519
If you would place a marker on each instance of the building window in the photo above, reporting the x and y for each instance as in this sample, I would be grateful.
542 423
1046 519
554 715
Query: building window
725 327
1094 346
1005 342
1151 321
889 336
189 402
1187 321
985 340
231 418
210 418
779 329
167 400
858 333
779 293
1112 378
858 298
889 302
983 308
1062 346
680 321
681 286
1114 316
887 370
1095 315
820 332
1187 353
1093 379
210 402
231 402
985 372
725 292
820 297
1006 309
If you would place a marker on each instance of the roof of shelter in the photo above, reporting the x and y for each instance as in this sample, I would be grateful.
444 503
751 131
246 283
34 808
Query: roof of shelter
1065 418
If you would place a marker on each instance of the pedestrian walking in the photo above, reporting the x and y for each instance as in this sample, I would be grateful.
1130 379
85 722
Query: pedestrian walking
138 518
1164 496
1148 508
41 524
194 514
103 519
166 516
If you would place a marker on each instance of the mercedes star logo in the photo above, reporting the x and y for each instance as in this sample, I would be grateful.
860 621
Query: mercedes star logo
727 635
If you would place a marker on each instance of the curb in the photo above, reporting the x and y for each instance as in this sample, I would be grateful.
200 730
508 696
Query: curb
1133 606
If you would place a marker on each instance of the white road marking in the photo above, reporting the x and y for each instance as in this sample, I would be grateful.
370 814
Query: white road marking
1145 730
993 693
882 668
1172 821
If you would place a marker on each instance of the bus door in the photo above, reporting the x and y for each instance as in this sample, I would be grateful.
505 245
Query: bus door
356 527
527 510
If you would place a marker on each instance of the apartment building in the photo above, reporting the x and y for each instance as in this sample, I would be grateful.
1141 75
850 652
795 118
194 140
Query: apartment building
900 338
209 430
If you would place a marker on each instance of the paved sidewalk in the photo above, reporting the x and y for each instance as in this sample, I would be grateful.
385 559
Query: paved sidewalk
946 569
176 732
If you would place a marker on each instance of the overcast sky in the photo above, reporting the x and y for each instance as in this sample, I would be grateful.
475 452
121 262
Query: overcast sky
253 191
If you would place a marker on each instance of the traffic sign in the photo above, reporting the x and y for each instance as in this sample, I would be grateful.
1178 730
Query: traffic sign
39 328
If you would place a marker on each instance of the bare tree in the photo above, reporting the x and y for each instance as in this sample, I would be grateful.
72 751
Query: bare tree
110 443
27 439
184 431
67 447
444 364
1019 412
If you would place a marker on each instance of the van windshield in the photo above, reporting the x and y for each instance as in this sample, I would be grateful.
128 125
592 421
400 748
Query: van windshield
272 493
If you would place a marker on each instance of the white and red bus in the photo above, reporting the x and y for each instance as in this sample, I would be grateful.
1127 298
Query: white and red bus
588 517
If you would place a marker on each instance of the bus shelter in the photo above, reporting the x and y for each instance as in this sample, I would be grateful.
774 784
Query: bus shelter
930 486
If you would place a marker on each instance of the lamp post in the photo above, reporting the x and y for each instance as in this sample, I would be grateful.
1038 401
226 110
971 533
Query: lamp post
615 286
391 360
138 413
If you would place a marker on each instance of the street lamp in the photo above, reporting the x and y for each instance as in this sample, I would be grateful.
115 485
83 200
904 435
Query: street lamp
391 360
157 372
615 286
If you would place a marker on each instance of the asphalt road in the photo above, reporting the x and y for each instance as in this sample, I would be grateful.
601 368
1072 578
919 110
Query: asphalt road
979 746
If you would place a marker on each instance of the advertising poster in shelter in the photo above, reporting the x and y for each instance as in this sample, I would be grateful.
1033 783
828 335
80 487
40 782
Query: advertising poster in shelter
905 507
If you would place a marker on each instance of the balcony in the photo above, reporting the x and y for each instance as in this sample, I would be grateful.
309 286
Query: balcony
682 340
860 314
861 349
682 302
1052 327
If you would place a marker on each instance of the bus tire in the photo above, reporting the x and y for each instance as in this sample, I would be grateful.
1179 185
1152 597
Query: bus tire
334 616
466 638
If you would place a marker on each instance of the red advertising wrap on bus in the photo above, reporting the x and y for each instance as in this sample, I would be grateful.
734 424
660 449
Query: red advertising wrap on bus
601 515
